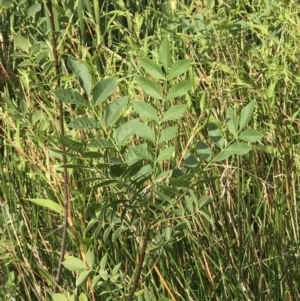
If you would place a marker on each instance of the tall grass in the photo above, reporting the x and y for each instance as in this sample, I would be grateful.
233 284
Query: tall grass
231 233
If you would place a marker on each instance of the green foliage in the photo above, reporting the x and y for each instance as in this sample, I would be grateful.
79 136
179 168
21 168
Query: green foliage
180 130
48 204
131 166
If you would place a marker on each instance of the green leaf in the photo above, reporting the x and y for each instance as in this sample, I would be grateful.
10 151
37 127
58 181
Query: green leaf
82 277
236 148
116 234
90 257
71 144
164 299
33 9
165 53
215 134
103 262
166 154
104 275
191 161
168 233
47 204
251 135
18 55
73 297
149 87
83 297
178 68
163 196
69 96
148 294
143 131
116 269
83 123
142 153
22 43
174 112
169 190
59 297
226 68
246 114
92 155
131 157
179 182
222 156
41 56
132 170
23 107
87 242
35 49
270 91
144 173
205 200
181 226
113 110
73 264
100 166
7 4
104 89
125 131
82 72
9 103
232 123
168 134
57 153
37 116
267 149
145 110
152 68
116 171
95 280
25 63
78 166
101 143
203 151
179 89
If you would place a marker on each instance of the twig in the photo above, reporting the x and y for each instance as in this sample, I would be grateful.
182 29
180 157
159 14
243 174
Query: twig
64 158
140 265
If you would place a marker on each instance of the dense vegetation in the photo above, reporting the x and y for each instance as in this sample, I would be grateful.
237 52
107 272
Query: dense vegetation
149 150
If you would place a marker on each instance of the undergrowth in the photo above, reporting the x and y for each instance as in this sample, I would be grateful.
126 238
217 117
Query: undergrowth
149 150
